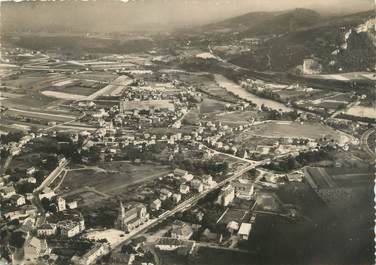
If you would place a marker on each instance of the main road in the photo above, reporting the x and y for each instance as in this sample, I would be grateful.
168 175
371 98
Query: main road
365 145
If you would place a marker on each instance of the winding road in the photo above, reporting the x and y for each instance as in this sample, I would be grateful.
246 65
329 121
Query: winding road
365 144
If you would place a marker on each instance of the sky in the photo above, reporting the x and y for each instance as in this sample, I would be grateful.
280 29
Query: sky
129 13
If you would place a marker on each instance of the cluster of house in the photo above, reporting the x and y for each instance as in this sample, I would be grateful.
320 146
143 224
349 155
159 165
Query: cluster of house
64 220
135 215
67 224
97 251
14 148
14 205
143 107
242 188
186 183
112 138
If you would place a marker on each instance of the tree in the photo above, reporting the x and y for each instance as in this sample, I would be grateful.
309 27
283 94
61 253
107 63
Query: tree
17 239
25 187
46 204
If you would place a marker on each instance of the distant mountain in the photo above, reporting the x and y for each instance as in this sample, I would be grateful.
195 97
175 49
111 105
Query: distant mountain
285 22
263 23
302 33
243 22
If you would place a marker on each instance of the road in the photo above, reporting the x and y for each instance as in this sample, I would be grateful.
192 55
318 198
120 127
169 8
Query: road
65 123
52 176
121 81
226 154
365 144
6 164
336 113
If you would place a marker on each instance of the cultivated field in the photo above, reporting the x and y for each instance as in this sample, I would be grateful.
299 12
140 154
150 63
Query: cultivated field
50 116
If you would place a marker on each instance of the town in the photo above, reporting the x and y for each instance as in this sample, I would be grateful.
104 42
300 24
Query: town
138 159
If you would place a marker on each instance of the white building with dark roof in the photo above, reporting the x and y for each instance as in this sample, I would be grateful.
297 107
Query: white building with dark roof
245 231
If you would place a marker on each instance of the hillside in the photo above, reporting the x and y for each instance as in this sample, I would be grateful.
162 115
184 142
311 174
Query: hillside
291 37
285 22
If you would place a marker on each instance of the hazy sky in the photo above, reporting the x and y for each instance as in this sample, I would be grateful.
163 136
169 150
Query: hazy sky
164 12
204 10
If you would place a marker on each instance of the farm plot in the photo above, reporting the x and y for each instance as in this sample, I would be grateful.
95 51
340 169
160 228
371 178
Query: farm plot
32 81
60 117
35 100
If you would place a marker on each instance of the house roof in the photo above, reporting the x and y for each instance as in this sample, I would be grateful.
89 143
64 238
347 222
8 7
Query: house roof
46 226
180 172
245 229
37 243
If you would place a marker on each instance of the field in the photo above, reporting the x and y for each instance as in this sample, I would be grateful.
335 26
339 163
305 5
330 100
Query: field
50 116
236 215
98 76
350 76
285 129
322 178
35 100
32 81
267 202
236 118
361 111
111 177
78 90
210 105
62 95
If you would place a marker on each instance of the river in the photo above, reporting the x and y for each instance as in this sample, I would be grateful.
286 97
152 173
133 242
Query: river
242 93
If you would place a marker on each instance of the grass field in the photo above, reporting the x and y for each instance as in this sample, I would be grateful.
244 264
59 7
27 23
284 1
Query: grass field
235 118
28 101
285 129
210 105
362 111
112 177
